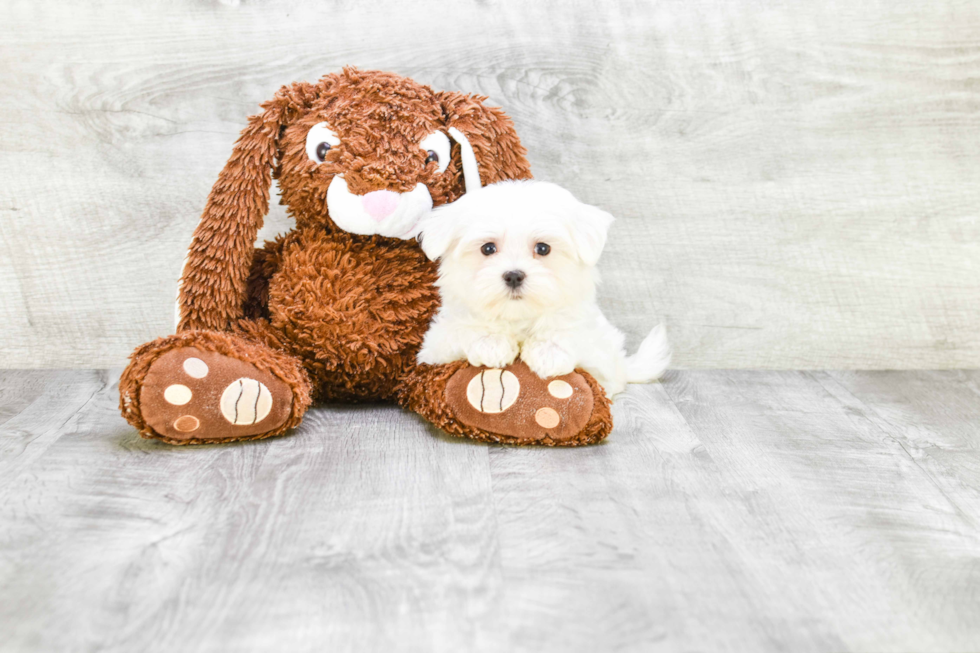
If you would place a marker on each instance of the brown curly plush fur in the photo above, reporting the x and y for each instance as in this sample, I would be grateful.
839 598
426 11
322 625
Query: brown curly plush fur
336 316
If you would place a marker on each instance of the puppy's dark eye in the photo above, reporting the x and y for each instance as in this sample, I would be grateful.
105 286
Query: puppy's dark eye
433 157
488 249
542 249
321 151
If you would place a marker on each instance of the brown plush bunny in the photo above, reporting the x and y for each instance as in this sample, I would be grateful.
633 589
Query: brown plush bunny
336 309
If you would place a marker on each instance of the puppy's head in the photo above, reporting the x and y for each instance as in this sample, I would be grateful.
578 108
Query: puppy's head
516 249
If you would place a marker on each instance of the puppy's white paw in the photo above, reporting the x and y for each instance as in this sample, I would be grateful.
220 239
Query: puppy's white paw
434 355
547 359
492 351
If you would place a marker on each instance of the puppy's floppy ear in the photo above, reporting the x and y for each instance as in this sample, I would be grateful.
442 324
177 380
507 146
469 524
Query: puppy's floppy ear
491 135
212 285
440 229
588 226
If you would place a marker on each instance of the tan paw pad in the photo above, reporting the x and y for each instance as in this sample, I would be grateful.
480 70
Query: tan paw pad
196 368
187 423
493 391
547 418
245 401
177 394
560 389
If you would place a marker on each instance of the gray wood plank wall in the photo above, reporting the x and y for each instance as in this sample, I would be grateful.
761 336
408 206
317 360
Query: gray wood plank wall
796 182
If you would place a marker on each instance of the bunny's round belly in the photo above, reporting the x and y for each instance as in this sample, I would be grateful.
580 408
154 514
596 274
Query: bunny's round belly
354 308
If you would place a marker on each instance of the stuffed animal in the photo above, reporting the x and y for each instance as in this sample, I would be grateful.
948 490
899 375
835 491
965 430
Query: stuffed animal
336 309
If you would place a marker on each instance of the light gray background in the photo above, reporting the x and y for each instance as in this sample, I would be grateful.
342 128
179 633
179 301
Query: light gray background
795 182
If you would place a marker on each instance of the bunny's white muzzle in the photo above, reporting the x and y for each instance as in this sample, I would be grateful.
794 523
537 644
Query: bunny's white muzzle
381 212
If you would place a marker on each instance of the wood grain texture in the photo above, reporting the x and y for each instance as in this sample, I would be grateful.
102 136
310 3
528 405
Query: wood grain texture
815 485
763 511
796 183
362 527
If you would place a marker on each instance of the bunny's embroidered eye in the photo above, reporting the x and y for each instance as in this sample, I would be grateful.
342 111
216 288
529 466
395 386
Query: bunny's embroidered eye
319 141
436 147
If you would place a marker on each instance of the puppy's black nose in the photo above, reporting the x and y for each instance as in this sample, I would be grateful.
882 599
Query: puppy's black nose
514 279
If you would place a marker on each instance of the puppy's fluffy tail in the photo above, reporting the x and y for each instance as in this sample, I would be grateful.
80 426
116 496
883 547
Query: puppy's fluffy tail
651 359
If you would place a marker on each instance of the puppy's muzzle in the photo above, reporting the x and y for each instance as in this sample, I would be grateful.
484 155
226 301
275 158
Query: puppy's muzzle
514 279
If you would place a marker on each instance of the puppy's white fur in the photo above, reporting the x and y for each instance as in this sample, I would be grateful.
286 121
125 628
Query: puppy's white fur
552 320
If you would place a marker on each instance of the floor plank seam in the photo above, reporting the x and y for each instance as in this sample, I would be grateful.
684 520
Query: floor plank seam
878 421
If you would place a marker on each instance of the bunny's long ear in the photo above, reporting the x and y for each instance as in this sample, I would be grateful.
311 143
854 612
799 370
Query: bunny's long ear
489 133
212 285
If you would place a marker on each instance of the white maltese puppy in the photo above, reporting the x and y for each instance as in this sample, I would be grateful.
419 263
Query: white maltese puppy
517 277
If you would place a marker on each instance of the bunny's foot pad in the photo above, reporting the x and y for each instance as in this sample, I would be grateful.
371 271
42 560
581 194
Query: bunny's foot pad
191 394
516 403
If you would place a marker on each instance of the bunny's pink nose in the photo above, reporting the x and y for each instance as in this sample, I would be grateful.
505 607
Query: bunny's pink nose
380 204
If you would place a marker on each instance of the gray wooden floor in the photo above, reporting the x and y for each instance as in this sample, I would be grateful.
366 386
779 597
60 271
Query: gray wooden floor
743 511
